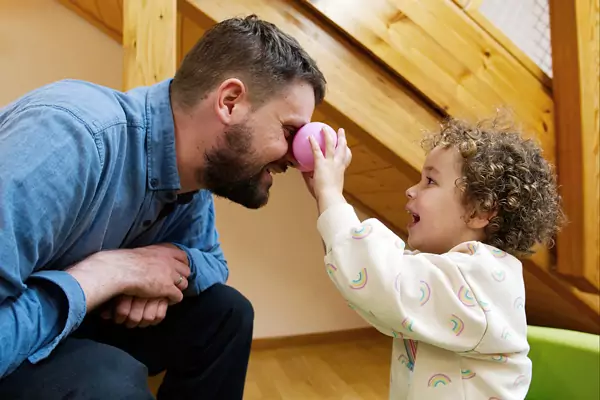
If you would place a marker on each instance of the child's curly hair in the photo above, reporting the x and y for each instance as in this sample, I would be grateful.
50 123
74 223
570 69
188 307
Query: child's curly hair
507 176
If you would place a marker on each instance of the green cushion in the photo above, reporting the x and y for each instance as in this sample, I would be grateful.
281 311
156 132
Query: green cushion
566 364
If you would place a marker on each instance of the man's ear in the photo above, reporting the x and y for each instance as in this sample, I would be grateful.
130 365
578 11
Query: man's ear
232 105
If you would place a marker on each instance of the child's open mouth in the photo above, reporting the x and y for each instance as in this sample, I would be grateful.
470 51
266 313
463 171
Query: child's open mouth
415 219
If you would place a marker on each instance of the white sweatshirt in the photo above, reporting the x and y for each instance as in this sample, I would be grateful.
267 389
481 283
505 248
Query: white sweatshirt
458 318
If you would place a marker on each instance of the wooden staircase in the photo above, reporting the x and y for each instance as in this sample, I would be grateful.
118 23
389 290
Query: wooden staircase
394 70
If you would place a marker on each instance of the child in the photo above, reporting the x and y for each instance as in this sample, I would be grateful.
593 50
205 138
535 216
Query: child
456 306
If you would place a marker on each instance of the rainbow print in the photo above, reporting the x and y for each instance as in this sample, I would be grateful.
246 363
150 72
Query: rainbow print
484 306
407 324
397 334
411 352
360 281
472 247
406 362
330 268
362 232
400 244
498 275
439 380
519 303
457 324
506 333
466 297
498 253
467 374
500 358
425 292
521 379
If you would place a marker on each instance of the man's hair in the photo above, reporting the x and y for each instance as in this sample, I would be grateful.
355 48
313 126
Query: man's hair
252 50
506 174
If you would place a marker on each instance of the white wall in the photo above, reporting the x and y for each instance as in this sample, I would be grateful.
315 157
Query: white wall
287 284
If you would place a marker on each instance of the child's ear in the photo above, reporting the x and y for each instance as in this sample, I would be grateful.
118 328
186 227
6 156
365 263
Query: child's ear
480 220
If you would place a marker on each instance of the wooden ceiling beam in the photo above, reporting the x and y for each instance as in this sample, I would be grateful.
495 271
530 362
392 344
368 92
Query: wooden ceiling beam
439 50
149 41
576 74
472 9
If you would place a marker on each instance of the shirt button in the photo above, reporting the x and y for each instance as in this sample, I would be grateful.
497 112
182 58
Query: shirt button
153 182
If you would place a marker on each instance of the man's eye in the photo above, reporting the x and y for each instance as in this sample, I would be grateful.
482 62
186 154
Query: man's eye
289 132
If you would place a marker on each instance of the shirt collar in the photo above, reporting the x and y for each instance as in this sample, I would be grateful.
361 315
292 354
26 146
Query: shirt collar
160 140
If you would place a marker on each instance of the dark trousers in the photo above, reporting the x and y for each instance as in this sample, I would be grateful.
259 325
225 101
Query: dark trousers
203 344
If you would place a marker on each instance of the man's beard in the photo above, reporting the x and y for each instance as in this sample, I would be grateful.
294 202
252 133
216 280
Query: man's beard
230 173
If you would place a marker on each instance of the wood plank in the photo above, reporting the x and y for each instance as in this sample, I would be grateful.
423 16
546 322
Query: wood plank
554 304
575 43
471 8
149 41
364 160
383 180
441 52
190 32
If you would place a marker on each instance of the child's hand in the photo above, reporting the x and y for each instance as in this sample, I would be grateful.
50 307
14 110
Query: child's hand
327 182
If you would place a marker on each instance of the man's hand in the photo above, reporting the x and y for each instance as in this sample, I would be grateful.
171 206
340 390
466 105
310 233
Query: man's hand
136 311
153 272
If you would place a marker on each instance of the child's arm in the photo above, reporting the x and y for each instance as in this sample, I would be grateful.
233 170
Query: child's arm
423 296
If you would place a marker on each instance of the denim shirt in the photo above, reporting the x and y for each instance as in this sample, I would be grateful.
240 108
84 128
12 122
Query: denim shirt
84 168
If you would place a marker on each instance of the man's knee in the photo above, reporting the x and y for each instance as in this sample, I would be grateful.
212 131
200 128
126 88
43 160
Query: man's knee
116 375
225 306
235 306
110 373
79 369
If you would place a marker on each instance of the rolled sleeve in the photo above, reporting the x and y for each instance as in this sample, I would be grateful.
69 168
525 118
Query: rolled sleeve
206 268
193 229
75 308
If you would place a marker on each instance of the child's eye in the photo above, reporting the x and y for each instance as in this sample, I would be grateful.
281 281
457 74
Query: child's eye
430 181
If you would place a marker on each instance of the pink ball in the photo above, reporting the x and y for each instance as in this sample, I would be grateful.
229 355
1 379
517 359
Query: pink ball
301 147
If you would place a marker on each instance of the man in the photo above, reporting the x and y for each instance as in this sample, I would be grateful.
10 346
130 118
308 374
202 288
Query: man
110 262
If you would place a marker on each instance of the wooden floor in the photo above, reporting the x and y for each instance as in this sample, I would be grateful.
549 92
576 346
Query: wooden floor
356 369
